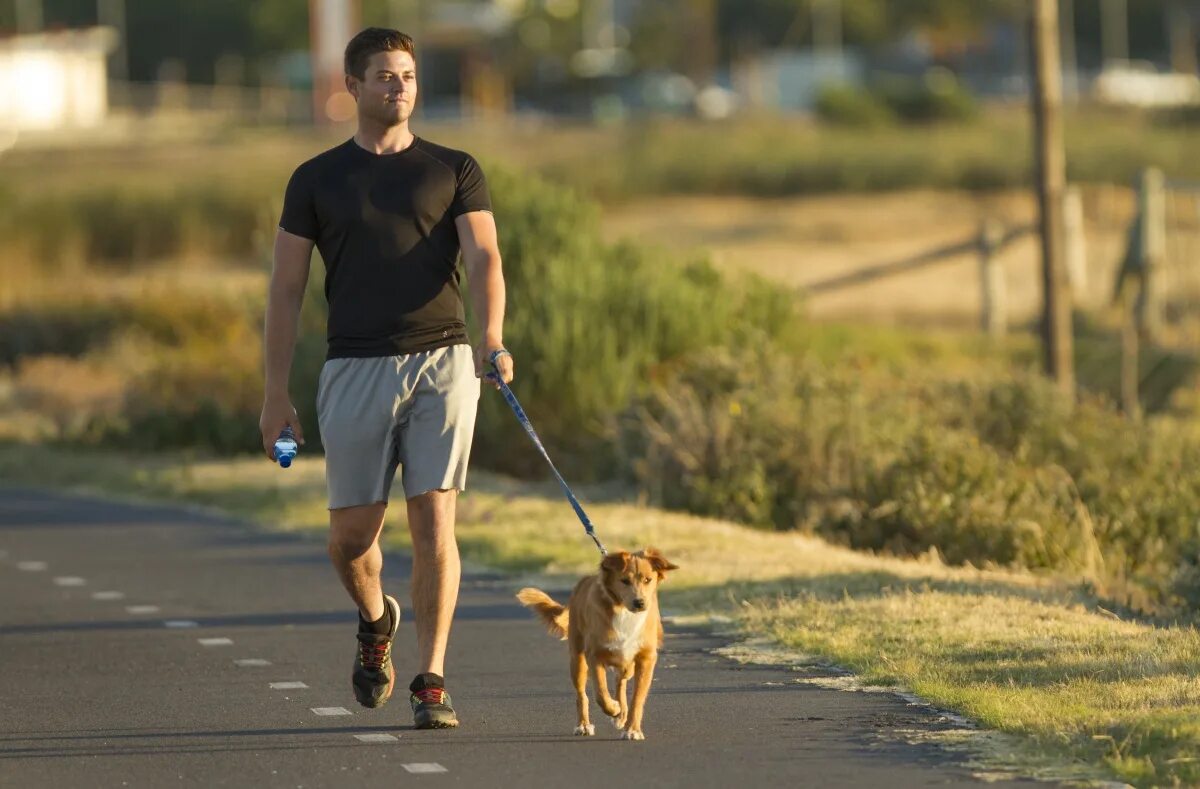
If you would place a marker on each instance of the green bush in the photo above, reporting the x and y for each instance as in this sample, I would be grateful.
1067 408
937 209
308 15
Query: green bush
938 97
997 468
590 322
845 105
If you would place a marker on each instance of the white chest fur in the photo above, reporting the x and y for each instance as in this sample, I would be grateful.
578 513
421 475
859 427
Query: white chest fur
627 632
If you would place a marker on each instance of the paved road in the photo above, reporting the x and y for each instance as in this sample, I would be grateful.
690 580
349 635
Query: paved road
139 646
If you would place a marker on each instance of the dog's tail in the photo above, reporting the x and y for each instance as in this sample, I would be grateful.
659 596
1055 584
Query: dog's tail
554 615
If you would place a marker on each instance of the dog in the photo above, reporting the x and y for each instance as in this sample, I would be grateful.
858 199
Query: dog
610 621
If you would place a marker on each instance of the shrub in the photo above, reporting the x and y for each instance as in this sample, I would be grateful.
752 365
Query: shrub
845 105
938 97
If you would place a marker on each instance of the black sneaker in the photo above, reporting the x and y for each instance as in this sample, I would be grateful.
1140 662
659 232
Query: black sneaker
374 677
431 703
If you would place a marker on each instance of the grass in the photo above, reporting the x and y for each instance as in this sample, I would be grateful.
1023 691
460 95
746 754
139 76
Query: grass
1088 695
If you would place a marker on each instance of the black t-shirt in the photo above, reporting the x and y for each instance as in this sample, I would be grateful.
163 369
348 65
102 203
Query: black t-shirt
384 224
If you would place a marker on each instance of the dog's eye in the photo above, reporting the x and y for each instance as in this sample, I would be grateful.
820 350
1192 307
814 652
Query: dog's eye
627 582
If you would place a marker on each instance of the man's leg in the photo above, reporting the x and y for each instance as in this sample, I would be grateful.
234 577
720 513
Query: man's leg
436 572
354 549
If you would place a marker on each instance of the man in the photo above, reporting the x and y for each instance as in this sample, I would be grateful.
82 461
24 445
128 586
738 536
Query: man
390 213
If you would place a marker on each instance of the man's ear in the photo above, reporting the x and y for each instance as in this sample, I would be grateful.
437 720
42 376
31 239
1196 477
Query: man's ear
615 562
660 563
352 86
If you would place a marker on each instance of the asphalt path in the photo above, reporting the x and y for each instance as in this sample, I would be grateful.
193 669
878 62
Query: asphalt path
153 646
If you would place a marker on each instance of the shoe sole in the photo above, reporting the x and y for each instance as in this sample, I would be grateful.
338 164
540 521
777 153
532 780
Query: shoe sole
437 724
372 704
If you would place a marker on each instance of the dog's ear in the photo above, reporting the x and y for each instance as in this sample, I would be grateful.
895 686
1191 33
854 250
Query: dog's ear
660 563
615 562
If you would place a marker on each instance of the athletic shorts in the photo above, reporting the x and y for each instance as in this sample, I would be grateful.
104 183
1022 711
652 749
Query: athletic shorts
415 412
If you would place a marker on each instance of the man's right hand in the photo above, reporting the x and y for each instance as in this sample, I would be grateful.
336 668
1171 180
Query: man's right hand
277 414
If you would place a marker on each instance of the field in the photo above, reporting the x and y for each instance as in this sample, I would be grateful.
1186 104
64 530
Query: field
803 241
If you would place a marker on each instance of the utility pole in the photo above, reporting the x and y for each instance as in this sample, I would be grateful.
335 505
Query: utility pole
1114 31
331 25
1051 187
1069 54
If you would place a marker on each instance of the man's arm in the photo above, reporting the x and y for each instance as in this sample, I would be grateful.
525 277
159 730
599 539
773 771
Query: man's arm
289 277
485 279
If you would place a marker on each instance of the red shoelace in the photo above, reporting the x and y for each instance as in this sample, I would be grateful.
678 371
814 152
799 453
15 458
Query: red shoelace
430 695
374 656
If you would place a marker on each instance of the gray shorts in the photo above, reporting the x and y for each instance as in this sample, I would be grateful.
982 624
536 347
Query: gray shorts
415 411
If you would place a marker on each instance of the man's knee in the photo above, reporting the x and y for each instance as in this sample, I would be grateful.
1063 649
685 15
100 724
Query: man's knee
354 530
431 520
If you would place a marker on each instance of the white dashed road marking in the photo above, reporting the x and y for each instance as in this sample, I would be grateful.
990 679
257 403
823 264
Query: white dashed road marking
142 609
288 685
178 623
32 567
108 595
215 642
424 767
375 738
330 711
251 661
69 580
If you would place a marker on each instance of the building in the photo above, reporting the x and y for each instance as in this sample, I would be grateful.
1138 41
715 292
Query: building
55 80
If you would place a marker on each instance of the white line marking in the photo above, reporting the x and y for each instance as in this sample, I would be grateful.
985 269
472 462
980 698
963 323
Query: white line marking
142 609
375 737
424 767
108 595
178 623
288 685
215 642
251 661
32 567
69 580
331 711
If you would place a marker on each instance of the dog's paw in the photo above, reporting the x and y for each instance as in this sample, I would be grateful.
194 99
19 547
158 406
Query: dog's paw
632 734
585 731
620 720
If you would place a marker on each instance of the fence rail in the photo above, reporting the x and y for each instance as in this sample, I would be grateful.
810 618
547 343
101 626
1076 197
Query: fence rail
988 242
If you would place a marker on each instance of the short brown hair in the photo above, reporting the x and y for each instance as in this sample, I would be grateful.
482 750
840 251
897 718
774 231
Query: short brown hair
371 41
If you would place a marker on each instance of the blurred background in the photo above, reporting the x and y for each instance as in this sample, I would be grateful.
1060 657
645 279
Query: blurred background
769 260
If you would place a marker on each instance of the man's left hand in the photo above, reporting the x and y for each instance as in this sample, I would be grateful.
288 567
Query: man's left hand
483 364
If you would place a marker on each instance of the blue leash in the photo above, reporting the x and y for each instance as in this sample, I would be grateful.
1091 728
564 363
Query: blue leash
525 423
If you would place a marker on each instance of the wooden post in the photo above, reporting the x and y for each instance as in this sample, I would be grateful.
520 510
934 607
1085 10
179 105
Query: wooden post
1075 239
991 279
1152 250
1130 375
1051 182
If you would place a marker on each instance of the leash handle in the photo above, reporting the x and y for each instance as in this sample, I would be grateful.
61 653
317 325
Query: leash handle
525 423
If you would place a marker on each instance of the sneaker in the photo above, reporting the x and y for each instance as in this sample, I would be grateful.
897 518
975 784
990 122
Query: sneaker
374 677
431 703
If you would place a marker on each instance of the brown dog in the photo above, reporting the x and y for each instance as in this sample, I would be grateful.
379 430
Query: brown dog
612 621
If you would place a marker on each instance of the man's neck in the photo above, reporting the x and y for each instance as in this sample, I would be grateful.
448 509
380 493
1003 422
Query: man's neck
376 139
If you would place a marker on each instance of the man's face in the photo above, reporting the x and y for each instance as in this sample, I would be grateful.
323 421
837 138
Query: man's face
388 91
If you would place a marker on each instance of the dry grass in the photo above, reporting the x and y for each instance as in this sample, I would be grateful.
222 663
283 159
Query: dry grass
1019 653
800 241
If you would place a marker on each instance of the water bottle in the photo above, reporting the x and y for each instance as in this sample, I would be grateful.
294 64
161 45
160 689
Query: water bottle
285 447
